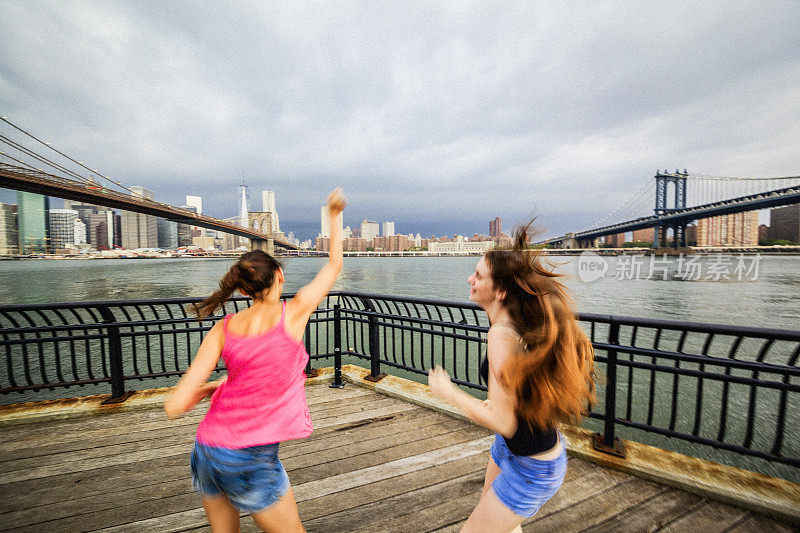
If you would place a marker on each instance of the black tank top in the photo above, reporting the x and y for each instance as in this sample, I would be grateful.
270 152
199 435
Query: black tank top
527 440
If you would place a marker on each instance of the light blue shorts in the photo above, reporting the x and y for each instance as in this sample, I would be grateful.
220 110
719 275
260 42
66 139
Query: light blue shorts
252 478
524 484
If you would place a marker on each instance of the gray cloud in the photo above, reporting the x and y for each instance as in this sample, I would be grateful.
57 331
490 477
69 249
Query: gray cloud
439 117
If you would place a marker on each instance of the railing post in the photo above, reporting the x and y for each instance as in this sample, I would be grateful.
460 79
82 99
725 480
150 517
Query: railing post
310 372
375 373
337 347
608 442
118 394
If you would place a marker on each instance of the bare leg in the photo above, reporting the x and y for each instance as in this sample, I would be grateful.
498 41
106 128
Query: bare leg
487 516
492 515
280 516
492 471
222 516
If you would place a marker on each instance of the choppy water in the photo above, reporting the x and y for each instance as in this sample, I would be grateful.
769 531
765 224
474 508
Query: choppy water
771 300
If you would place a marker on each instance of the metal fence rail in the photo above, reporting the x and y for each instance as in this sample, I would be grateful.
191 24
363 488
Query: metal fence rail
727 387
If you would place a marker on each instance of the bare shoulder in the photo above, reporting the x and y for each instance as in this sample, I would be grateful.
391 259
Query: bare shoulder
503 342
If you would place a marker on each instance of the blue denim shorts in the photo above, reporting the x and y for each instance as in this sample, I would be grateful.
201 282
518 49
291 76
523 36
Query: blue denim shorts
524 484
252 478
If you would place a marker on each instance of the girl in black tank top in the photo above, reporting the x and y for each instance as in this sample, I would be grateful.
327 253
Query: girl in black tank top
538 369
526 440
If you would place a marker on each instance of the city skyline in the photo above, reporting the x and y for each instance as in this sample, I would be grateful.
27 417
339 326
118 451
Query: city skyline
463 112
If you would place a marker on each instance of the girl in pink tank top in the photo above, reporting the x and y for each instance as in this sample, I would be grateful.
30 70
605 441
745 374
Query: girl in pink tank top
261 402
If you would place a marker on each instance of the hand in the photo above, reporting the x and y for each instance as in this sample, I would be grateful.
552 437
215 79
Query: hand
336 202
439 383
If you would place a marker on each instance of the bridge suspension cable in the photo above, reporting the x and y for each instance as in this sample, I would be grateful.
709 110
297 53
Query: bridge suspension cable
58 166
636 199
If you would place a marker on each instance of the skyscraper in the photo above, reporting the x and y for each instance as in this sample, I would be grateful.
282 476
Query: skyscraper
325 229
268 205
101 230
167 234
9 236
388 229
244 208
34 231
62 228
139 230
369 230
495 227
196 202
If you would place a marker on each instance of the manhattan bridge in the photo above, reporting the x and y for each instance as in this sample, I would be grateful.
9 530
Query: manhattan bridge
680 198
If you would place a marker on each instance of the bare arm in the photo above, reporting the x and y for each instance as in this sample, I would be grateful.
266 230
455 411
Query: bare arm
308 298
193 385
498 412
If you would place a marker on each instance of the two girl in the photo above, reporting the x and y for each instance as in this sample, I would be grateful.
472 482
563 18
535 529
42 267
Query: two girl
538 368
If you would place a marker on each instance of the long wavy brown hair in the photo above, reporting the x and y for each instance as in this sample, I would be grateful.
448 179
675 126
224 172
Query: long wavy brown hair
253 273
552 376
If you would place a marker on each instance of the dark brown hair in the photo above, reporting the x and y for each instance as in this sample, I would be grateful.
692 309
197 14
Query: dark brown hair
253 273
552 374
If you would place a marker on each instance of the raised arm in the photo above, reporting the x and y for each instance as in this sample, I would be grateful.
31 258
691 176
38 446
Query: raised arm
308 298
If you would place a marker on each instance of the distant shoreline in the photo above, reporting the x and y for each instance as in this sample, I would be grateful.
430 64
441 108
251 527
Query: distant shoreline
733 250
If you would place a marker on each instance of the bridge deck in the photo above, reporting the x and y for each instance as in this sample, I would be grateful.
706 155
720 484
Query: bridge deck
374 463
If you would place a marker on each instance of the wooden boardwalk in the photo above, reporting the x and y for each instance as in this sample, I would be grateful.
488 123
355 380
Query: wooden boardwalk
374 463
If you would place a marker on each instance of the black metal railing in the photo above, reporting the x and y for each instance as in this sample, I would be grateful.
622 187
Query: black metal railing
726 387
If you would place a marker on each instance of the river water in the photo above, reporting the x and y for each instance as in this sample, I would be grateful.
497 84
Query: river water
772 299
742 290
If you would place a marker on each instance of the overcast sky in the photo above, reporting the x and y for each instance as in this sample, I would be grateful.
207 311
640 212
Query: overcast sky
439 116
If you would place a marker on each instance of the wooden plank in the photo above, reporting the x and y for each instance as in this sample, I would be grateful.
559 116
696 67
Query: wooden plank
592 511
653 513
452 510
378 491
100 443
373 517
102 480
709 517
760 523
375 459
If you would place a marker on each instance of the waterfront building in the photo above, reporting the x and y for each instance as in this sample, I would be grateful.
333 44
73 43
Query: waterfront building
167 234
391 243
101 230
495 227
185 230
62 229
736 229
9 236
354 244
325 230
139 230
347 233
323 244
616 240
79 232
32 222
644 235
229 241
369 229
460 244
388 229
784 223
268 206
206 243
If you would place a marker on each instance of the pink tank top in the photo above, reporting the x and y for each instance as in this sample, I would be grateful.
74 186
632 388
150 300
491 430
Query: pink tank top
264 400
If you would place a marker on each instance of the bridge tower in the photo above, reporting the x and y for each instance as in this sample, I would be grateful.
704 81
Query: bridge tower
679 230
